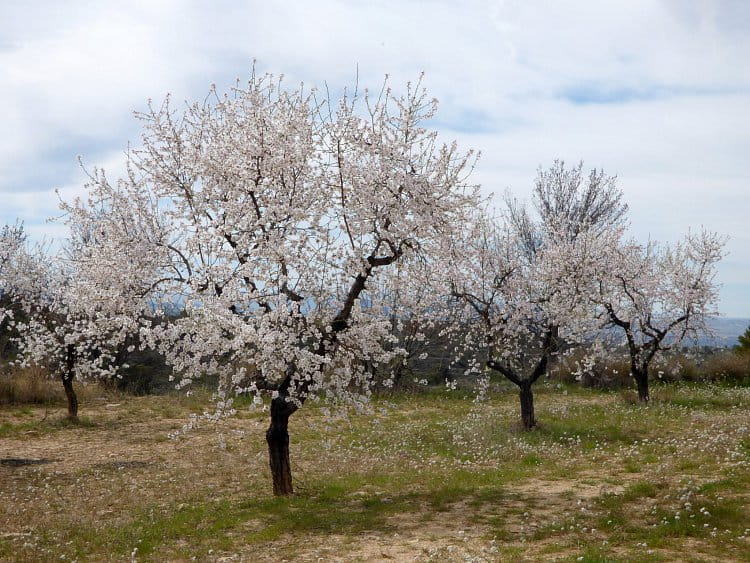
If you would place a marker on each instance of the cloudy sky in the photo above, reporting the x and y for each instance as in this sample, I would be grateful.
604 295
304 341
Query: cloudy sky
657 92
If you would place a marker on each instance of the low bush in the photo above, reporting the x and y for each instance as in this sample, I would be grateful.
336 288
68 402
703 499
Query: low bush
692 366
612 373
147 374
727 366
28 386
34 386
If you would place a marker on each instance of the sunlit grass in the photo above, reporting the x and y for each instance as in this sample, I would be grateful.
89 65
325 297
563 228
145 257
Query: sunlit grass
430 476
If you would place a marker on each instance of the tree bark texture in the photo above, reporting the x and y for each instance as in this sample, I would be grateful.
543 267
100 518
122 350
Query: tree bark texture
67 381
527 406
641 380
277 437
70 394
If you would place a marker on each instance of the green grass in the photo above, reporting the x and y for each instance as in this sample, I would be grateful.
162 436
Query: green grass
601 479
338 507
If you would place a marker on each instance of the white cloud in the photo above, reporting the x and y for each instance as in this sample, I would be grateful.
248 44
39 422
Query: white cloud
657 92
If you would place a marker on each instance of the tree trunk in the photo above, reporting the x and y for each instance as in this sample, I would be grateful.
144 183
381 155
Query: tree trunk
70 394
67 381
277 437
641 380
527 406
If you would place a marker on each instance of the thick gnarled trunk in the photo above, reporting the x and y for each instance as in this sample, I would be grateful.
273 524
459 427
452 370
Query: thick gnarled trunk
527 406
277 437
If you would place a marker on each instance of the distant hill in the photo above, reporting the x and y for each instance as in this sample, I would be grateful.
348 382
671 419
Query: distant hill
726 331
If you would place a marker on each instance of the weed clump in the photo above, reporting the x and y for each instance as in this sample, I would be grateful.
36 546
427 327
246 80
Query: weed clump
28 386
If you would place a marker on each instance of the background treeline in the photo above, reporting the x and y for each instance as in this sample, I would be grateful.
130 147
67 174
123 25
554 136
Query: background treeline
148 373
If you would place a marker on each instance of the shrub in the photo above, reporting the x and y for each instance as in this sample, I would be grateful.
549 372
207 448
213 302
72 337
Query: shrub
692 366
28 386
147 373
34 386
610 373
678 366
728 366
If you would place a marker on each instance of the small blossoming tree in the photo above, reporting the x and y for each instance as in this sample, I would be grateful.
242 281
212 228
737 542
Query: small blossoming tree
58 325
524 277
518 306
656 296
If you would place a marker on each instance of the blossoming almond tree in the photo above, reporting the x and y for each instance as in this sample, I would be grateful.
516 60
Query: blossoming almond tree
525 277
58 326
268 213
569 202
519 305
655 296
12 245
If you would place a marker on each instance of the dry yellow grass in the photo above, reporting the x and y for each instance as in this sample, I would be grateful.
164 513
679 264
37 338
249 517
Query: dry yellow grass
29 385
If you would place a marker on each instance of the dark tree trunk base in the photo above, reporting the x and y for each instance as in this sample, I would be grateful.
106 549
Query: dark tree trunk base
643 395
72 398
641 380
527 407
67 381
277 437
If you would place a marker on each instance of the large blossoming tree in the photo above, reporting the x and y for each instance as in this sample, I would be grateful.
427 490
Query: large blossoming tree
266 215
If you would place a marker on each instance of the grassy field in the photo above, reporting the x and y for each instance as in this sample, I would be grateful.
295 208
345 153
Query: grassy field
425 477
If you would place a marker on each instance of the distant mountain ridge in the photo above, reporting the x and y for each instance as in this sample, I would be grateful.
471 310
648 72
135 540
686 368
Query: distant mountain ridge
726 331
